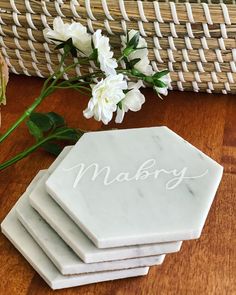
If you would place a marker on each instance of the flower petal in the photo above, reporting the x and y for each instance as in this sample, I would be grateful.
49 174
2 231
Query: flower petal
134 100
163 91
105 56
119 115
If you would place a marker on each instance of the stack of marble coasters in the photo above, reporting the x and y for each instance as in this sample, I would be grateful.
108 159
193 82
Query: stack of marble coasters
112 206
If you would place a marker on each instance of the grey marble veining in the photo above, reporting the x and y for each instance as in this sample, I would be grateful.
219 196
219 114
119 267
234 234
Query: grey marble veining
61 255
21 239
136 186
78 241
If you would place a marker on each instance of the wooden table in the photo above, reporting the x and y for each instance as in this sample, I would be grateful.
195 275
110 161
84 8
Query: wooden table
204 266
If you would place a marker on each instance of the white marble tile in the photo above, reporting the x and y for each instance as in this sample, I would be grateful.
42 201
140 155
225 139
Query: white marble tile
22 240
135 186
78 241
59 158
63 256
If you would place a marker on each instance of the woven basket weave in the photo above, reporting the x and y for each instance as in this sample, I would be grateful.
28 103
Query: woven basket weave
195 40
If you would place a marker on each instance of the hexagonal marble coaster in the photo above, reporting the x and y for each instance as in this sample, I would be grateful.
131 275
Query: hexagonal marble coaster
52 213
64 257
136 186
58 159
22 240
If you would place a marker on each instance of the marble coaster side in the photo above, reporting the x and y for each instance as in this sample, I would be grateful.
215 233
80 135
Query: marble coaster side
64 257
59 158
51 168
25 244
78 241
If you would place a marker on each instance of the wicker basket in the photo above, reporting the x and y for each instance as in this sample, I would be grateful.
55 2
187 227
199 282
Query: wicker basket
194 40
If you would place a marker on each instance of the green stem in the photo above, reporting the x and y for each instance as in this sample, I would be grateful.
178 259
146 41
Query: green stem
90 75
27 113
44 93
28 151
58 71
75 86
47 90
22 155
120 58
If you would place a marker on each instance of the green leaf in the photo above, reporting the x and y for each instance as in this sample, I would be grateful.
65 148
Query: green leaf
42 121
59 46
60 129
52 148
94 54
137 73
133 62
159 83
69 135
149 79
56 119
127 51
127 66
133 42
158 75
57 40
119 105
126 91
69 42
34 130
67 45
73 51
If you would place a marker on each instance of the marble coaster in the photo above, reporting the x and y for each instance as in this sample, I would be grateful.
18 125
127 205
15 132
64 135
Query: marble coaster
136 186
78 241
61 255
22 240
59 158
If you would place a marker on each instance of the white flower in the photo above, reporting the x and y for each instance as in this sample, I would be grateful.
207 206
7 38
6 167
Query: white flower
63 31
163 90
144 64
59 31
133 101
105 55
81 38
105 96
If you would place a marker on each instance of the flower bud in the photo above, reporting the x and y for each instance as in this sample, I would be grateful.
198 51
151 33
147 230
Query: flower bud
137 73
148 79
127 51
131 45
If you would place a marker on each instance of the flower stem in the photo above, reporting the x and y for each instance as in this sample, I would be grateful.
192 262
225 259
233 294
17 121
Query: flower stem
34 147
120 58
22 155
46 90
22 118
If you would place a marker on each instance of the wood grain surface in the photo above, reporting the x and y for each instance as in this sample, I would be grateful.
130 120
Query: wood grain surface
204 266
